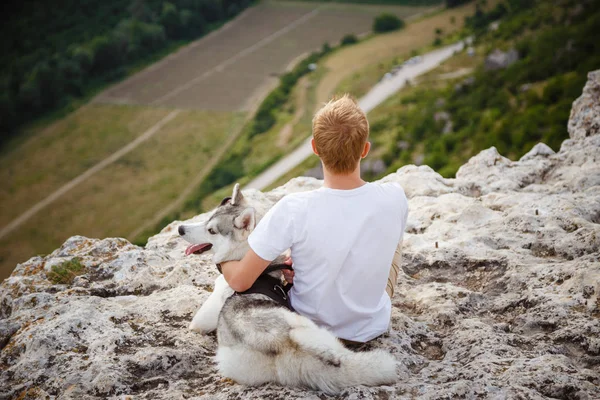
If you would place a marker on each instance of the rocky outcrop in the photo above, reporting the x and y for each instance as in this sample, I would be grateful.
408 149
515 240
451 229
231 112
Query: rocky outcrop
499 59
499 296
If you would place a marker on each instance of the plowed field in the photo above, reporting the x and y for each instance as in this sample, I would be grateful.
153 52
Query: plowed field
228 67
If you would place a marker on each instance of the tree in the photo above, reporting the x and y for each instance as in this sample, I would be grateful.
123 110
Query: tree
169 19
108 53
192 24
348 39
140 11
455 3
387 22
83 57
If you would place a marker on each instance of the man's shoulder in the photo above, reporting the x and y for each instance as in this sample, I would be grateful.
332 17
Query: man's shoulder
294 202
393 189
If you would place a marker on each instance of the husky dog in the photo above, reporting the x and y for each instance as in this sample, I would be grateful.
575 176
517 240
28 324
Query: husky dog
260 340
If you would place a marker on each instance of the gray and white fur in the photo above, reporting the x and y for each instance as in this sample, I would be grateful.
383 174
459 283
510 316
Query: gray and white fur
261 341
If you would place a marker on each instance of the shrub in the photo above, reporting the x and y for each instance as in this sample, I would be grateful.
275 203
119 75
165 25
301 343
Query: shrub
65 272
192 24
8 115
107 54
387 22
83 57
169 19
71 75
455 3
348 39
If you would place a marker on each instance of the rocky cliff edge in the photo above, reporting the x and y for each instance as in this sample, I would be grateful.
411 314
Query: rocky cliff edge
499 296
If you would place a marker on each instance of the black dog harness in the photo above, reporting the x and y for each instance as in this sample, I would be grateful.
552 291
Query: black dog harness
269 286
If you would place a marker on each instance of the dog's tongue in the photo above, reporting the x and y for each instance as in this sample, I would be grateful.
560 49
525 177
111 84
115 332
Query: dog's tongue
197 248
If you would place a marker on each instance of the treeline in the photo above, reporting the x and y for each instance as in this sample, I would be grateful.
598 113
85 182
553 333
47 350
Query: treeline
266 114
385 2
62 57
512 108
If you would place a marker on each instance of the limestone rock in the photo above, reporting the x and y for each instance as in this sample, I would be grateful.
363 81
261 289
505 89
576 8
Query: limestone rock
500 60
498 298
585 114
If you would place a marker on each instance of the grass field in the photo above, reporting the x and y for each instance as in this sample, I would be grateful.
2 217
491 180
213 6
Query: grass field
60 152
121 197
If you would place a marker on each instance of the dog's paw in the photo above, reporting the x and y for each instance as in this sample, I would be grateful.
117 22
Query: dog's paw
200 328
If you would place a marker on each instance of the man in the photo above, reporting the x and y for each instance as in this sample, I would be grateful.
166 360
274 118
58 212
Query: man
342 237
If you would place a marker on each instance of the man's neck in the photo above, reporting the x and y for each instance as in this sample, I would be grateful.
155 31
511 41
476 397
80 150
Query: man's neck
342 182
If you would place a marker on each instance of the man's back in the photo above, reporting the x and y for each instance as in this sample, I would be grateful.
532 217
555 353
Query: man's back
342 242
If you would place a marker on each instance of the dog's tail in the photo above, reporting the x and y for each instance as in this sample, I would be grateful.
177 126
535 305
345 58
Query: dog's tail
330 367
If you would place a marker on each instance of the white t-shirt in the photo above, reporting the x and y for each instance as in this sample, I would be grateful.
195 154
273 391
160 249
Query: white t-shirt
342 244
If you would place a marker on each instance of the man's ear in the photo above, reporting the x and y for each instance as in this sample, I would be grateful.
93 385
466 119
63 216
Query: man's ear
314 146
237 197
366 150
246 220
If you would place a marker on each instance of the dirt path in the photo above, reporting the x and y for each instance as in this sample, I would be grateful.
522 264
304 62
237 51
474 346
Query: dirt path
379 93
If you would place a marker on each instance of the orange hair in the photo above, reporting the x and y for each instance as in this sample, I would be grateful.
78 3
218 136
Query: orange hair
340 131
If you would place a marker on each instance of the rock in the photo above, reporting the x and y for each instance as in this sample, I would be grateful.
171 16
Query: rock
316 172
402 145
372 166
465 83
525 87
448 127
499 294
498 59
441 116
585 114
539 150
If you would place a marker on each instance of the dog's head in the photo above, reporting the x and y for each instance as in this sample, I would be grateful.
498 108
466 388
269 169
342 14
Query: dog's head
226 231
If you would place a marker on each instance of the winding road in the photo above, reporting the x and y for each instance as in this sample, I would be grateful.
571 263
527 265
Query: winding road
377 95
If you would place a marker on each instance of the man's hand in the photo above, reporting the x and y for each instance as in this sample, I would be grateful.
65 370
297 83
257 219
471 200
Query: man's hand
287 273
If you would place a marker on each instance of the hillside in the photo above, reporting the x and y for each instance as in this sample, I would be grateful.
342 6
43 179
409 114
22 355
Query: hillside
499 295
159 133
135 152
56 53
443 122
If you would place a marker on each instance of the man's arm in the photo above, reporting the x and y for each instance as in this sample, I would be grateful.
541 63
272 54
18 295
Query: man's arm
270 238
240 275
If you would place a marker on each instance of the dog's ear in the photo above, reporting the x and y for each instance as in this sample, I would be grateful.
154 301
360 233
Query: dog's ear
225 201
246 220
237 198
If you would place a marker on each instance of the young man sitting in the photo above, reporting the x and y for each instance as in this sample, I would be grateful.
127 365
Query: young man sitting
343 237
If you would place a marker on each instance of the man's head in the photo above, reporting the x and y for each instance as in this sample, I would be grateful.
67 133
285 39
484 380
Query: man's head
340 133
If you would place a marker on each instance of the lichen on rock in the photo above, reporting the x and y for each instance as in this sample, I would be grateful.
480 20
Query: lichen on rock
499 295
